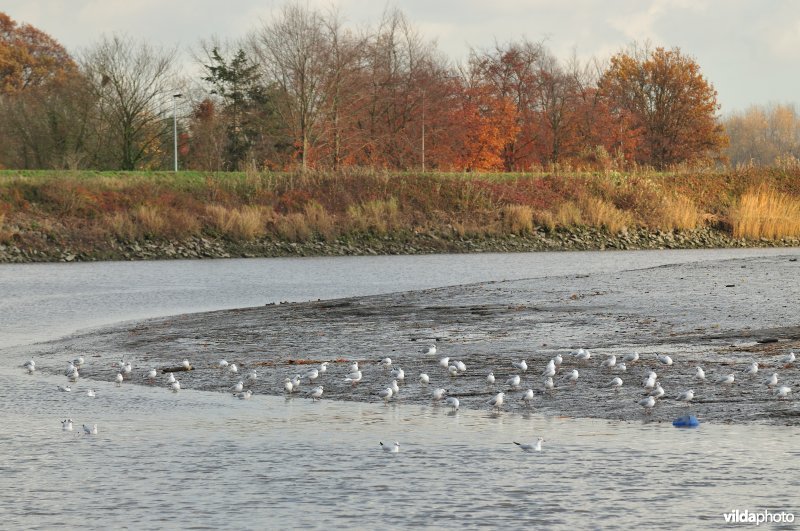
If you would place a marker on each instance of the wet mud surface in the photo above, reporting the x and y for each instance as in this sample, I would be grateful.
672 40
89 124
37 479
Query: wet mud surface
720 315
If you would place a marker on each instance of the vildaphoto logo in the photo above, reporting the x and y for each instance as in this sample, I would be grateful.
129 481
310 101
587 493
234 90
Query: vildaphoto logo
758 517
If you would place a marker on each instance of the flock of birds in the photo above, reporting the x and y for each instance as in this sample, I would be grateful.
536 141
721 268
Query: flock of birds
652 387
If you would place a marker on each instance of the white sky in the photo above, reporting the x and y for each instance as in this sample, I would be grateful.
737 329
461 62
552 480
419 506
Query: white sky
749 49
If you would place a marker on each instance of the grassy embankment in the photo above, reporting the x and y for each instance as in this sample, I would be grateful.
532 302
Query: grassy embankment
91 212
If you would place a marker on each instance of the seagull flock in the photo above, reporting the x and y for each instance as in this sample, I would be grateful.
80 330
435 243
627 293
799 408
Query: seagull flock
554 376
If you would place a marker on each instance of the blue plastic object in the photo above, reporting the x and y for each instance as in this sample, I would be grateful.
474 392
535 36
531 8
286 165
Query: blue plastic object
686 421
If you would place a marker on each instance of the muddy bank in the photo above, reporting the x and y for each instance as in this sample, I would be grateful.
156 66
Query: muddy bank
721 315
40 248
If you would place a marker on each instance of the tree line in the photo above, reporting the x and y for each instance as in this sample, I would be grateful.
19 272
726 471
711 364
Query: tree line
303 90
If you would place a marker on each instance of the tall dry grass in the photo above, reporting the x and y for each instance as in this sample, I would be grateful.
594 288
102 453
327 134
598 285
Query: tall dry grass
765 213
379 217
598 213
516 219
244 223
319 221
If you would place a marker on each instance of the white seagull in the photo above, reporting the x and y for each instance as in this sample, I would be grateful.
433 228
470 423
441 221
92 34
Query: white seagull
452 370
609 362
752 369
664 359
772 381
789 358
176 386
288 385
497 400
126 370
395 387
444 362
616 383
386 394
558 360
398 374
252 376
222 364
513 381
453 403
151 374
582 354
312 375
393 449
386 362
633 357
521 365
66 425
648 404
323 367
90 393
79 361
528 397
439 393
699 373
533 447
783 391
460 366
686 396
244 396
90 430
64 388
548 383
238 387
353 367
424 378
354 377
573 376
726 379
431 351
621 367
118 379
658 392
233 369
171 378
316 393
186 364
29 366
490 378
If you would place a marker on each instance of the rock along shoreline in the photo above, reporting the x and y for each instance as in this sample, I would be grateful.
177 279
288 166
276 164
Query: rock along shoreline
572 239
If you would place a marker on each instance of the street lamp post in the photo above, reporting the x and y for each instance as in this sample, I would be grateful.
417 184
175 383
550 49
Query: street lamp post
175 126
423 130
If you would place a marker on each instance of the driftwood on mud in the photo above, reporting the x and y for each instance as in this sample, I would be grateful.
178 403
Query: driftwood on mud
180 368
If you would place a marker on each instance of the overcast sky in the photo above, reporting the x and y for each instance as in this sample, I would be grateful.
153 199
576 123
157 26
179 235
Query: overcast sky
749 49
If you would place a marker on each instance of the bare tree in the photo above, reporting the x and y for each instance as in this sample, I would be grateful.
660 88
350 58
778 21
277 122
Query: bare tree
133 82
293 51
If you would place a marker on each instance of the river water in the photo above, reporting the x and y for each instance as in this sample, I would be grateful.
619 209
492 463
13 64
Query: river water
206 460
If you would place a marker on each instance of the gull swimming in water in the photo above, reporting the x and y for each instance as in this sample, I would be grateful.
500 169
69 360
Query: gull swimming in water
444 362
316 393
664 359
686 396
176 386
245 395
528 397
354 377
609 362
118 379
513 381
699 373
386 394
398 374
772 381
490 378
783 391
386 362
424 378
238 387
521 365
439 393
453 403
64 388
616 383
633 357
171 378
648 404
66 425
391 449
573 376
186 364
532 447
752 369
497 400
789 358
90 430
90 393
431 351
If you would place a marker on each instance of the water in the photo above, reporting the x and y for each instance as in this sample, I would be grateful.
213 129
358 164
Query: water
205 460
45 301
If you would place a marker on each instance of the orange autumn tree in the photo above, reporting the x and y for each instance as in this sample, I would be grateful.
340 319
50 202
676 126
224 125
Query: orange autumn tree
669 99
483 123
29 57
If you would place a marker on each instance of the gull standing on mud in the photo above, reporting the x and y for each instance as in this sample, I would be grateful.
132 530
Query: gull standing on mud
64 388
171 378
323 367
398 374
439 393
118 379
658 392
444 362
621 367
386 394
648 404
527 397
431 351
176 386
316 393
582 354
609 362
752 369
616 384
354 377
238 387
783 391
186 365
772 381
513 381
686 396
633 357
353 367
548 384
699 373
394 387
222 364
664 359
521 365
151 374
453 403
233 369
386 363
490 378
497 400
788 359
727 379
573 376
532 447
424 379
312 375
29 366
